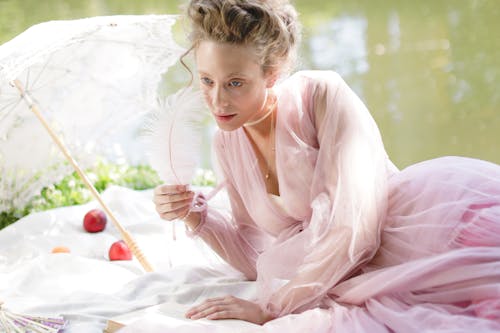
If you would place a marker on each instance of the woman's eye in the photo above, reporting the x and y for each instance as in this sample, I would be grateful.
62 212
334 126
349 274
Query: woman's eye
206 80
235 83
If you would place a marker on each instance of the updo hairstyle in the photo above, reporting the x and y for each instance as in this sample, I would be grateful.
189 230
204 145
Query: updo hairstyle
270 27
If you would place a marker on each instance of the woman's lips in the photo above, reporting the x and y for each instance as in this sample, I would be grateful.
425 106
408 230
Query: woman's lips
224 118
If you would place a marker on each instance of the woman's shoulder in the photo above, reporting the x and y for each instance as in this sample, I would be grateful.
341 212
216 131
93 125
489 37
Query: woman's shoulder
313 76
317 74
310 83
309 92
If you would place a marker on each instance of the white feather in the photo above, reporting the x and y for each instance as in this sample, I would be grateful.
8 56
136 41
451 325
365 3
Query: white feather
173 137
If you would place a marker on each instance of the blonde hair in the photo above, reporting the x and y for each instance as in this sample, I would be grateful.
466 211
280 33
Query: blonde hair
270 27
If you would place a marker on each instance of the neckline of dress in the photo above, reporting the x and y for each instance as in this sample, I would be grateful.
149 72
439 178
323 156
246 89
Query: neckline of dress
254 156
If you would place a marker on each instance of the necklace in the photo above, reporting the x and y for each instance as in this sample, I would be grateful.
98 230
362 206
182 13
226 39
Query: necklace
271 145
255 122
268 112
271 108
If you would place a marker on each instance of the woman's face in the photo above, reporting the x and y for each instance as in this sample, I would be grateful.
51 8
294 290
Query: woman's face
233 83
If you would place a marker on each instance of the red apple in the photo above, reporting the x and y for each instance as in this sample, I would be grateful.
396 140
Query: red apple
119 251
94 221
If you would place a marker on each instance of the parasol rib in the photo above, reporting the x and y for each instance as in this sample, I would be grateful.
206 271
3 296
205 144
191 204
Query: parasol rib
123 232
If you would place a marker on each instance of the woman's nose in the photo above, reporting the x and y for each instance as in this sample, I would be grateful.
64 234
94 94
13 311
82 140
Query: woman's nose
218 97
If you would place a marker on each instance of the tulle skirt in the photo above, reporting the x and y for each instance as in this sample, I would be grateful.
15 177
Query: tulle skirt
438 266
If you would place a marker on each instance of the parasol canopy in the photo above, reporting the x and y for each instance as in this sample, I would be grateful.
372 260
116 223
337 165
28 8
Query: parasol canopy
86 83
92 80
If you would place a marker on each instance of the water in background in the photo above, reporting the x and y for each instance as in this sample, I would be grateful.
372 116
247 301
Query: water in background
428 71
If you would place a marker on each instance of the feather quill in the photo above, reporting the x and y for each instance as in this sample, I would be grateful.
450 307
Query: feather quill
173 138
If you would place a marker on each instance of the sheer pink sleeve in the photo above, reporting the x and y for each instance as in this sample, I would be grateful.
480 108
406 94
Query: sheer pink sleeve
348 201
234 236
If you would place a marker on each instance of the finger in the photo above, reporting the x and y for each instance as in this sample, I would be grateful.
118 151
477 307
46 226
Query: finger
226 314
177 197
160 199
165 189
209 303
215 300
173 206
170 189
170 198
197 308
178 214
202 306
173 196
213 311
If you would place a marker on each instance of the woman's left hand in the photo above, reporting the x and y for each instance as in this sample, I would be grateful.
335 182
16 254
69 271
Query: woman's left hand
229 307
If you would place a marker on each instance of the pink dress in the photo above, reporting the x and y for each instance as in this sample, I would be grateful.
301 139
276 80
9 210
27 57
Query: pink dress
382 250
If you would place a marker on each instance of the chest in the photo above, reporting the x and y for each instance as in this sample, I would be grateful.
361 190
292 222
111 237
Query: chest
283 166
264 150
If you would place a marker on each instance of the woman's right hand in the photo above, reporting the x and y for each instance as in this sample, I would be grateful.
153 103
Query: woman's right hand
172 201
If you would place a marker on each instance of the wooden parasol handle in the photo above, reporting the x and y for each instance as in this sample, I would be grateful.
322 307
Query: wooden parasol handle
123 232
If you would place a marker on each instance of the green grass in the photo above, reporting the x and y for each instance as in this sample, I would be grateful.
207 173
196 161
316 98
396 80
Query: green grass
71 190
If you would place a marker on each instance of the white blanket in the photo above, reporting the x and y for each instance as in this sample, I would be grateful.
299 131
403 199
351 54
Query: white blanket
87 289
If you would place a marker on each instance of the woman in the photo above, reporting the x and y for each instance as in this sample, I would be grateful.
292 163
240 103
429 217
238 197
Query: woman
320 215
